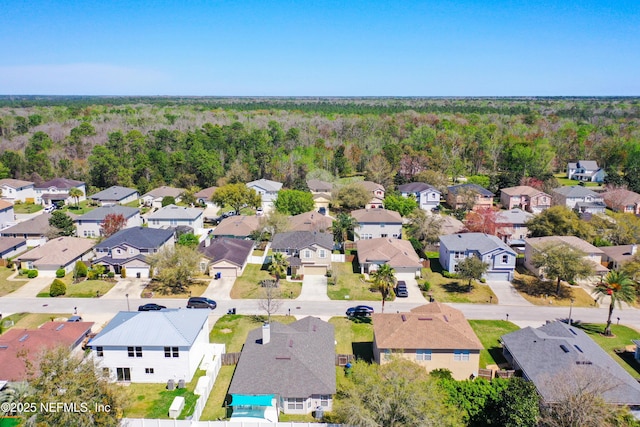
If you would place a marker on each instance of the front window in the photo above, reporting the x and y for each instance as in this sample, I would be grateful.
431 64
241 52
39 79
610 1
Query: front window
99 351
307 254
322 253
461 355
387 354
324 400
423 354
171 352
505 259
295 403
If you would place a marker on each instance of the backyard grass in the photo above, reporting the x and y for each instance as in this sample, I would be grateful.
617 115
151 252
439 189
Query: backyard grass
348 284
31 320
8 286
84 289
26 208
232 329
354 337
489 333
215 409
622 336
454 290
82 208
542 292
248 285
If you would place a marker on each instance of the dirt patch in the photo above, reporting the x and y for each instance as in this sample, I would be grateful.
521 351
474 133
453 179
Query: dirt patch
226 331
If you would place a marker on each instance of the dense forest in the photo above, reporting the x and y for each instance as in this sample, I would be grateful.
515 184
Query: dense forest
144 142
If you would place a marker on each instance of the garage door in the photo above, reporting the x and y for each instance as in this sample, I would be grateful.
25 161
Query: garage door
137 272
225 272
315 270
498 275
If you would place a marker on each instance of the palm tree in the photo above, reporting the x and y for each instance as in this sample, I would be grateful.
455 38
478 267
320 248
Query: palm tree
76 193
343 226
278 266
620 288
384 280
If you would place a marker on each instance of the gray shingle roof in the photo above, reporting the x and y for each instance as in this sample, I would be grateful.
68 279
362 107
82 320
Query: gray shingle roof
416 187
319 186
480 242
590 165
575 191
100 213
234 251
176 212
298 361
138 237
38 225
266 184
301 240
60 184
376 216
514 216
165 191
470 187
15 183
114 193
7 243
540 355
152 328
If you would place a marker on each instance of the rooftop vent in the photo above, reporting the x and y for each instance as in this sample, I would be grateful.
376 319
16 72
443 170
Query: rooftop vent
60 327
564 348
572 331
290 343
283 357
24 338
584 362
578 348
404 318
446 319
425 318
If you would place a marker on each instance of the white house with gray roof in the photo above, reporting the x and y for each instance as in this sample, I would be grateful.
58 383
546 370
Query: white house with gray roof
172 216
14 190
490 249
579 198
115 195
61 252
511 226
427 196
558 350
585 170
34 229
90 224
57 191
153 346
267 189
154 197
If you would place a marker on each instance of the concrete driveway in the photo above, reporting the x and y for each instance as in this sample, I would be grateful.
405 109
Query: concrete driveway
415 294
31 288
219 289
124 287
314 288
506 293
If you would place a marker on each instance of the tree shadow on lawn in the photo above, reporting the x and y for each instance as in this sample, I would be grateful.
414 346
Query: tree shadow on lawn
363 350
537 288
434 265
456 287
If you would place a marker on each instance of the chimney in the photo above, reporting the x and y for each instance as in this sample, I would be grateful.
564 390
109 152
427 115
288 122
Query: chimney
207 241
634 249
266 333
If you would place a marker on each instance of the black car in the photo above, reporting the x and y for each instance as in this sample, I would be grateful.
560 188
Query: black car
401 289
201 302
360 311
151 307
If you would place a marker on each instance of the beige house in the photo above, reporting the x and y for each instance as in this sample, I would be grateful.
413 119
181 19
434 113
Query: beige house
526 198
463 196
224 257
309 252
377 193
237 227
310 221
399 254
592 253
435 336
616 256
61 252
375 223
322 200
154 197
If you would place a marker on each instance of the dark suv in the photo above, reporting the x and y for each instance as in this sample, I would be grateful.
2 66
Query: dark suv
359 311
201 302
401 289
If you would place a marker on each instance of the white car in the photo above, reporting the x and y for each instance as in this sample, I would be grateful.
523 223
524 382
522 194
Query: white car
259 212
50 208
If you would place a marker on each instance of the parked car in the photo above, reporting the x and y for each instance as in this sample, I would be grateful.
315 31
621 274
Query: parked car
401 289
201 302
50 208
74 319
360 311
259 212
322 211
151 307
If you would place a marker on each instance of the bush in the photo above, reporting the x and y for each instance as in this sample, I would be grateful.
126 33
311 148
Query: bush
483 280
329 273
426 286
123 273
80 269
57 288
448 275
60 273
32 274
111 275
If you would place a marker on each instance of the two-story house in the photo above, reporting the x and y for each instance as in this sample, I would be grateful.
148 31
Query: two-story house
579 198
377 194
17 190
490 249
7 216
535 244
224 257
375 223
115 195
267 189
57 191
90 224
469 196
622 200
427 196
154 197
130 247
309 252
174 216
524 197
309 221
585 170
511 226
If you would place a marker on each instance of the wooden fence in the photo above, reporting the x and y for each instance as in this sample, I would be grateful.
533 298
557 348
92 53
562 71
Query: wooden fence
343 359
230 358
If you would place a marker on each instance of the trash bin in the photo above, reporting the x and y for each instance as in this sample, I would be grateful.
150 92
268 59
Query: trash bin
218 275
319 412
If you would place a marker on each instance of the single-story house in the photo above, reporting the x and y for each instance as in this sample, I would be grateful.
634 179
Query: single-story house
293 363
115 195
435 336
154 197
175 216
309 252
399 254
579 198
237 227
490 249
17 190
622 200
203 197
7 216
319 186
427 196
376 223
61 252
614 257
225 256
525 197
464 196
90 223
153 346
12 246
57 191
267 189
310 221
585 170
377 194
592 253
34 229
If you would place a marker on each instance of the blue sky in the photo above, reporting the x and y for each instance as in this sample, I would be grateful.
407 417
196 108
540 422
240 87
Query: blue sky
321 47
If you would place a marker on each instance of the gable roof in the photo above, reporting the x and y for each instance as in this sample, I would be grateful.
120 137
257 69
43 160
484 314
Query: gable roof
100 213
205 193
434 326
38 225
235 251
483 243
416 187
137 237
450 225
60 183
15 183
266 184
621 197
309 221
475 188
590 165
513 216
4 205
165 191
370 185
176 212
377 215
7 243
395 252
178 327
620 254
522 190
298 360
319 186
540 354
576 191
573 241
237 225
114 193
58 251
301 240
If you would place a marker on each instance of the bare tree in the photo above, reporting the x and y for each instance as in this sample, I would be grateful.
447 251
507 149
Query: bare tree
271 300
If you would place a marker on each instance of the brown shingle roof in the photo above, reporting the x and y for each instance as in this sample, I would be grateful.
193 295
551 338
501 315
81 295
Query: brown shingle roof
395 252
5 205
520 190
573 241
620 197
15 183
377 216
432 326
205 193
371 186
59 251
240 226
309 221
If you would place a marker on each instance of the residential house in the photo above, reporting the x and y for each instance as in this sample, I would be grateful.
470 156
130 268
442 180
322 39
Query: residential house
524 197
237 227
12 246
511 226
614 257
309 252
267 189
21 347
377 194
375 223
58 253
427 196
115 195
561 352
465 196
56 191
90 223
322 201
203 197
490 249
622 200
534 244
579 198
318 186
321 191
34 229
7 216
451 225
293 363
435 336
153 346
129 248
224 256
17 190
154 197
175 216
310 221
586 171
399 254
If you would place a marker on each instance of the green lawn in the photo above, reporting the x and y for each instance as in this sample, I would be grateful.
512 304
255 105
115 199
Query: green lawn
622 336
354 337
26 208
454 290
541 292
215 409
489 333
348 284
8 286
232 329
32 320
248 286
82 208
84 289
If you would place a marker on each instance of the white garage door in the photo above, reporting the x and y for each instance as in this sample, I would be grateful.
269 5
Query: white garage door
315 270
498 276
137 272
225 271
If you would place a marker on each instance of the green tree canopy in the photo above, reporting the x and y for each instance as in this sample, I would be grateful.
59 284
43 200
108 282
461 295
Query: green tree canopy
351 196
168 200
472 268
294 202
176 266
188 239
237 196
343 227
619 288
562 262
559 221
62 224
403 205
